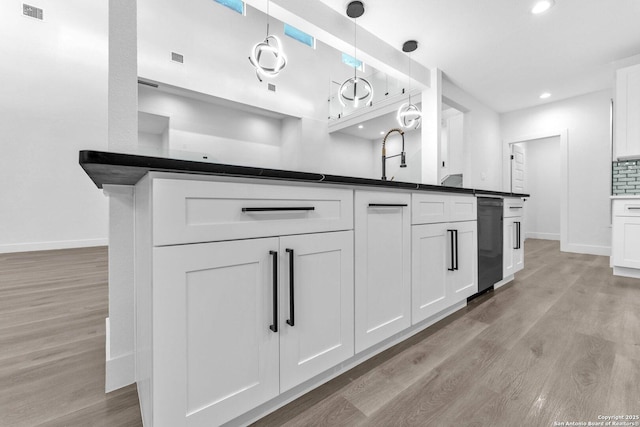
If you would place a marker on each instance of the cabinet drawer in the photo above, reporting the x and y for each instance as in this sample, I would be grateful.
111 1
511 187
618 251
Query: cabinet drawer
626 207
513 207
435 208
204 211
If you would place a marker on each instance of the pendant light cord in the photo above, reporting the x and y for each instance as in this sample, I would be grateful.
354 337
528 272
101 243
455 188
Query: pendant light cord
355 48
410 80
267 18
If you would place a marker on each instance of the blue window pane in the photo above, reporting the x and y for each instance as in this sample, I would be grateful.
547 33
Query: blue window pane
352 62
237 5
301 36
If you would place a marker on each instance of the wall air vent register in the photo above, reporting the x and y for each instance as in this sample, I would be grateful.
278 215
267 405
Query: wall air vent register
32 11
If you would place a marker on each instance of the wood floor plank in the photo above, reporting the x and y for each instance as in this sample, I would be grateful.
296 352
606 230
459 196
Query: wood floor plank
425 402
581 392
387 380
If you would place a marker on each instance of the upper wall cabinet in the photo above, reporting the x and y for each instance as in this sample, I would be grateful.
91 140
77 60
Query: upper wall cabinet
627 112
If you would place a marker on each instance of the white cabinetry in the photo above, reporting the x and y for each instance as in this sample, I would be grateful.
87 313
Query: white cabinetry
625 250
382 267
316 307
214 354
513 252
232 324
444 253
627 112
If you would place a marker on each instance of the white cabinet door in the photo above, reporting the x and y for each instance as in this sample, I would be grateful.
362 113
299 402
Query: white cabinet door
518 253
215 356
626 241
430 258
627 112
509 238
321 307
513 252
382 267
463 279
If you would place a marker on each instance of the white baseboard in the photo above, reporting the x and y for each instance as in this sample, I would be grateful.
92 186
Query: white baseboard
543 236
587 249
120 371
503 282
626 272
47 246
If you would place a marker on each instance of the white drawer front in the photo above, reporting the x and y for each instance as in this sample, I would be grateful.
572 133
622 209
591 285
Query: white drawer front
435 208
513 207
463 208
626 207
430 208
206 211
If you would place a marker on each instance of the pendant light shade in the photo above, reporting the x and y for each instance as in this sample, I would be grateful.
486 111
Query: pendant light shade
409 115
355 91
267 56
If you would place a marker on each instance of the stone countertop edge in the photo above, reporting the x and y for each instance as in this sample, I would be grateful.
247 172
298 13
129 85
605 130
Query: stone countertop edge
625 196
105 167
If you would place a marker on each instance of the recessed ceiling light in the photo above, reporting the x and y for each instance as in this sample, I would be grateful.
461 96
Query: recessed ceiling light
545 95
541 6
360 126
381 132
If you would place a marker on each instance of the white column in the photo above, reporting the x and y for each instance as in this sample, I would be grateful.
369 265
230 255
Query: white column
123 137
432 116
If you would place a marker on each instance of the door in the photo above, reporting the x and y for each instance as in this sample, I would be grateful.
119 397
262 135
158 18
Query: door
316 307
215 353
626 241
382 267
517 168
463 279
429 261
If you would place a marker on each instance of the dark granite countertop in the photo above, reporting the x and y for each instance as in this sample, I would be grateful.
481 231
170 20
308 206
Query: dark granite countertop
127 169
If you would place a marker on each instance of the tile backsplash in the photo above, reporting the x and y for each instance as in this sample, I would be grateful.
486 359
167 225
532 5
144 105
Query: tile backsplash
626 177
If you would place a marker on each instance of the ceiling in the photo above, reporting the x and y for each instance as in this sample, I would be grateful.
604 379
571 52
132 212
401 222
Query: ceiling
503 55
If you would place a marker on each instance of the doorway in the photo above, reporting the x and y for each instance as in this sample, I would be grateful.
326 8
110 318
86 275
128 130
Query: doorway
543 172
535 166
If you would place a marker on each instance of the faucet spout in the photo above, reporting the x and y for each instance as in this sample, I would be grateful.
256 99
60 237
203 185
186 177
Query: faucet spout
403 163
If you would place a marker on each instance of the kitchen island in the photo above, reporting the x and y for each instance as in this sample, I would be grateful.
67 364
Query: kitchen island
254 286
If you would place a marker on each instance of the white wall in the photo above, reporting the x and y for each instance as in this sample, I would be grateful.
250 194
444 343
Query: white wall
233 136
542 175
586 119
53 103
482 164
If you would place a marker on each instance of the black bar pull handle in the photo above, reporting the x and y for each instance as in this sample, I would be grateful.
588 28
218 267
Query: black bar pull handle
274 327
456 267
388 205
631 208
291 320
280 209
516 225
515 207
519 235
452 268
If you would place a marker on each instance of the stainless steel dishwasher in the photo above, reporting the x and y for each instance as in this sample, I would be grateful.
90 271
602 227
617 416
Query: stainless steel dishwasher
490 217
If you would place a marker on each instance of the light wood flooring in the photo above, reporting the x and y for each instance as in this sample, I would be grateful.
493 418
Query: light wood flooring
561 343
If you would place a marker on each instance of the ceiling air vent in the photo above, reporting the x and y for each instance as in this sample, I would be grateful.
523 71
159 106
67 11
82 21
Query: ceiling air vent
271 87
176 57
32 11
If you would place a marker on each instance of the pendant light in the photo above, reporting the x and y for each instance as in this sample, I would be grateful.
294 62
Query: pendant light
355 90
409 115
267 56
